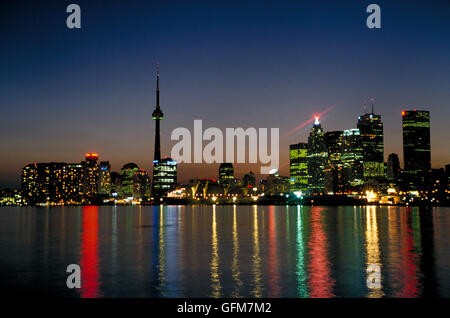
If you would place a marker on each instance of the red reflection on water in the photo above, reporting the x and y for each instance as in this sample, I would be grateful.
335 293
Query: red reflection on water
274 290
408 267
320 282
89 253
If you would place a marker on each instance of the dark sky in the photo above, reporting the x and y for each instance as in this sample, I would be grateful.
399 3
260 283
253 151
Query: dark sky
230 63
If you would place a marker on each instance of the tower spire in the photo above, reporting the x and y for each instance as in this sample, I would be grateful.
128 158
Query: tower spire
372 105
157 86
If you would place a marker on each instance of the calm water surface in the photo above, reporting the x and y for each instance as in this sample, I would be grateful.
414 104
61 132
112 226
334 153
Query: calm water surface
226 251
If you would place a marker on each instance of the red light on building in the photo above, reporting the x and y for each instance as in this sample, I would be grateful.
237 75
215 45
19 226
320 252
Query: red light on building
91 155
403 113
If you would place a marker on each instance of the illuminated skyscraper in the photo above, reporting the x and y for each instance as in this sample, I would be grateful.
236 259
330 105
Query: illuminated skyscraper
74 179
52 183
164 176
90 177
371 129
298 167
317 158
333 169
352 160
416 146
104 179
226 173
127 180
29 184
141 185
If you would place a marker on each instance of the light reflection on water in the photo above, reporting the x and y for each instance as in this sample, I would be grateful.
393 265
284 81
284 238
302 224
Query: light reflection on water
227 251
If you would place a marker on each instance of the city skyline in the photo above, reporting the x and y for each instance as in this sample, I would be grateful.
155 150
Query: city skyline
229 74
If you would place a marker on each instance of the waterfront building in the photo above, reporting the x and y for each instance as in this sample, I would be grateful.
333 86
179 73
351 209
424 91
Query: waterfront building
393 168
10 197
249 180
116 184
371 129
29 185
352 160
275 184
51 183
226 174
74 180
416 147
127 180
90 177
104 179
164 176
298 167
334 170
141 185
317 159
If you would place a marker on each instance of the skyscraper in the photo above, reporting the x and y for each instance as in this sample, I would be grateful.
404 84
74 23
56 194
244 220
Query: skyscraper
164 176
317 158
371 129
75 182
298 167
141 185
104 179
52 183
333 169
416 146
127 180
393 168
352 160
90 177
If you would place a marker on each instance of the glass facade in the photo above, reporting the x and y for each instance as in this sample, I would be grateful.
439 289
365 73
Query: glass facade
298 167
371 130
317 159
164 176
416 146
352 159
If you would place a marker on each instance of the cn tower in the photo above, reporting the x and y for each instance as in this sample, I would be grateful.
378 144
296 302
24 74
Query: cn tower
157 115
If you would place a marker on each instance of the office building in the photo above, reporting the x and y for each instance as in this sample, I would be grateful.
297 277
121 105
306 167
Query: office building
352 160
334 169
416 147
90 177
104 179
317 159
298 167
371 129
226 174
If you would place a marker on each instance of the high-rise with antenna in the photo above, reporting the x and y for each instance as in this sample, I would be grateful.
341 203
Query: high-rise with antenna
371 129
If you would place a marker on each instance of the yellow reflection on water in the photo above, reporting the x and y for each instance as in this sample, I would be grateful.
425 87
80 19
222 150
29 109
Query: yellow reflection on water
162 256
256 268
373 269
215 277
235 264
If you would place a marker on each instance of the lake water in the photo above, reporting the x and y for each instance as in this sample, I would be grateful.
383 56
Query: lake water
226 251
